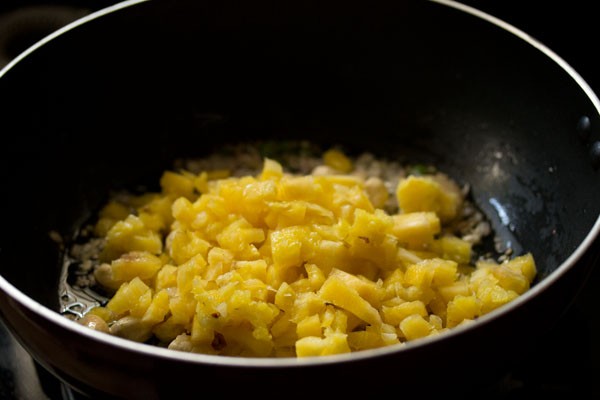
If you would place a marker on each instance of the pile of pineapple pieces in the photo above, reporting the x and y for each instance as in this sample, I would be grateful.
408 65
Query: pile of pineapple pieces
284 265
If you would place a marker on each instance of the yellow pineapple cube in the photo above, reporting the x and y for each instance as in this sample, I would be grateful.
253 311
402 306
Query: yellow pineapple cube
231 192
483 276
156 214
286 246
158 308
316 214
419 275
253 345
424 193
306 304
183 211
445 272
345 200
209 208
256 198
416 229
302 285
282 214
259 313
433 272
309 326
525 264
336 343
511 278
114 210
284 333
203 328
135 264
334 320
256 269
365 339
165 278
139 309
271 170
329 254
239 237
316 277
220 261
129 296
396 314
258 289
182 245
383 253
337 292
187 272
369 227
450 247
102 312
462 308
337 160
110 214
366 288
415 327
285 297
130 235
494 296
393 277
201 183
449 292
182 309
178 185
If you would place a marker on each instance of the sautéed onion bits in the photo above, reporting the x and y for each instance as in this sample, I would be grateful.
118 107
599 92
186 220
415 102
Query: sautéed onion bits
292 255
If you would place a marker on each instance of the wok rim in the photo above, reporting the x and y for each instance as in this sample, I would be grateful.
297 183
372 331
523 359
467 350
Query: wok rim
14 294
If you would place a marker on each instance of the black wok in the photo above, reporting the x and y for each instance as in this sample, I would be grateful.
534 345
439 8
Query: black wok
110 102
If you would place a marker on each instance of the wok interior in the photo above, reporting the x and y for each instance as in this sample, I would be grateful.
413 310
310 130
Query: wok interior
110 104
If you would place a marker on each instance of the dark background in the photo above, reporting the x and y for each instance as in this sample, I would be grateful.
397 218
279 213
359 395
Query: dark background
566 362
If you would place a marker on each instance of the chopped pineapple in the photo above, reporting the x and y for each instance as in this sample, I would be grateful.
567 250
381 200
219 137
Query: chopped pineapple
158 308
279 264
177 184
129 297
135 263
462 308
128 235
337 160
336 343
396 314
415 327
425 193
338 292
416 228
450 247
112 213
309 326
